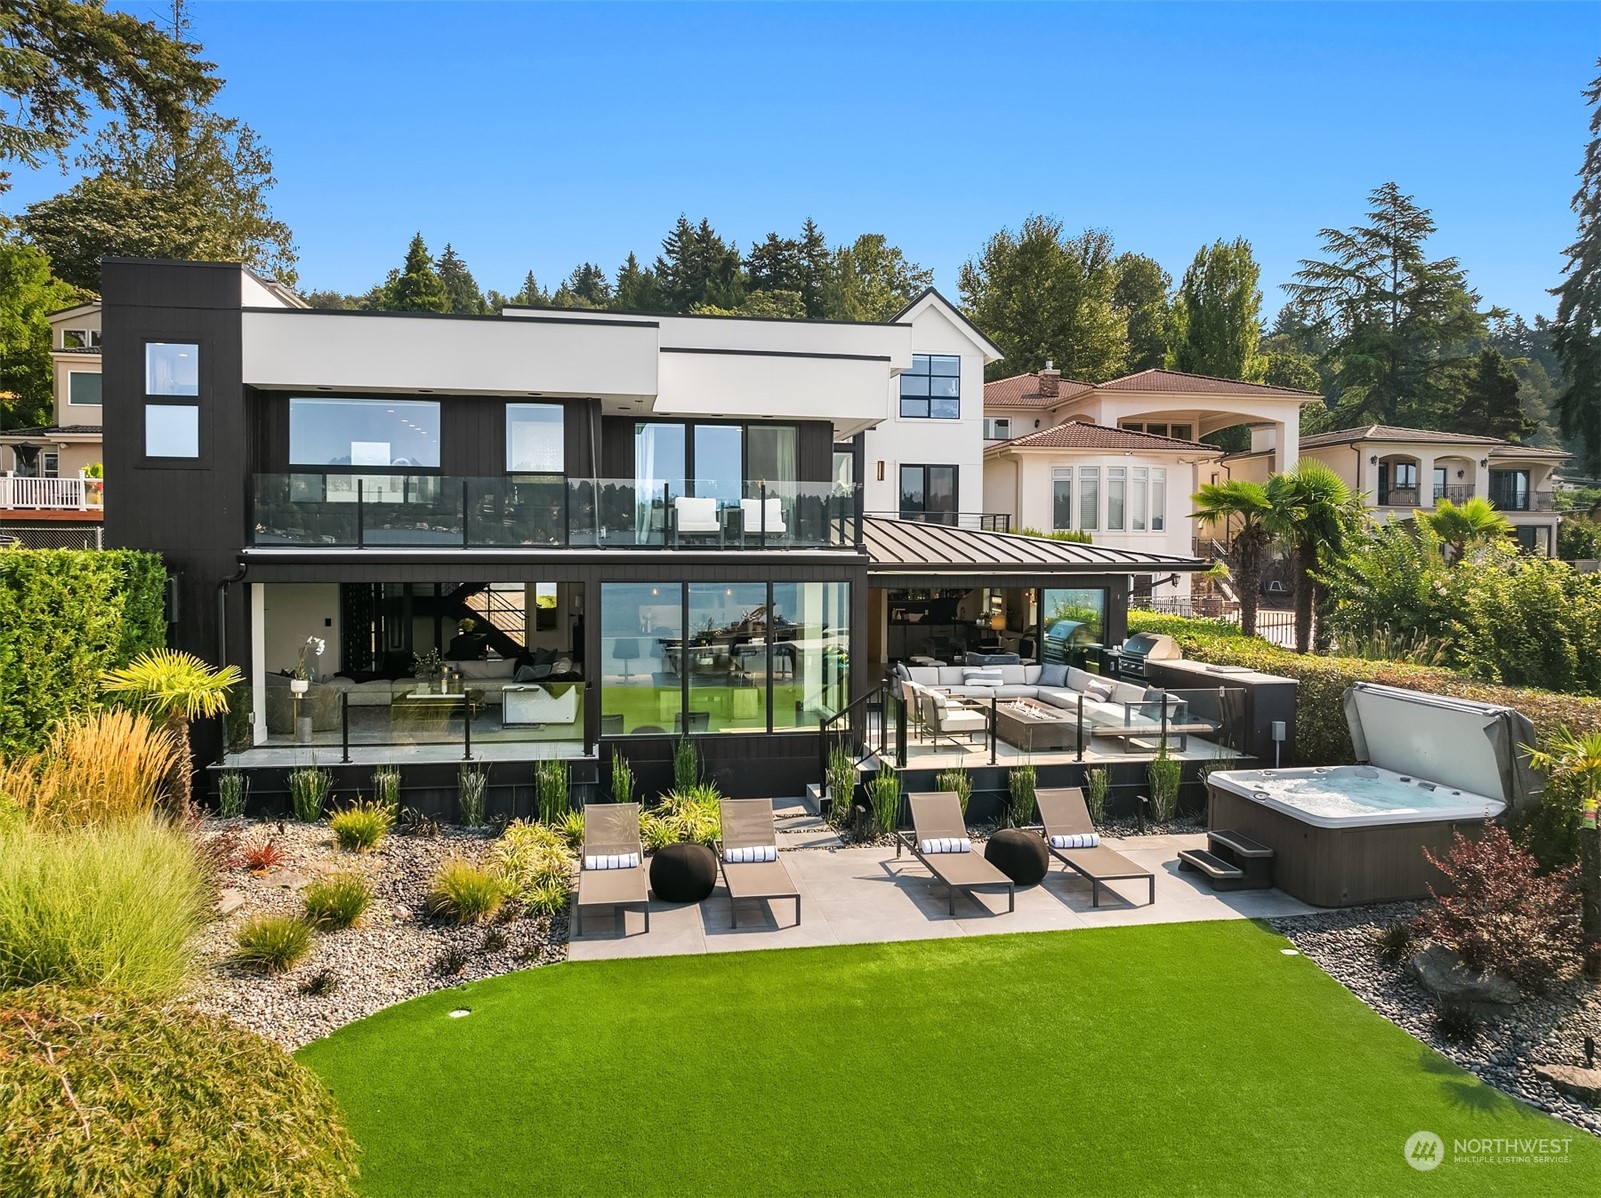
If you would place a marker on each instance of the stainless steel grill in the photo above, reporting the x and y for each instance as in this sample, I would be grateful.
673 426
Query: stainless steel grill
1143 647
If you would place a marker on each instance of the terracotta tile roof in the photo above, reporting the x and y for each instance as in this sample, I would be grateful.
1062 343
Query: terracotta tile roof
1075 434
1023 391
1391 432
1528 451
52 430
1197 384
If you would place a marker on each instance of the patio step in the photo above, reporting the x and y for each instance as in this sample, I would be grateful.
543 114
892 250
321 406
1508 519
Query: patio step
1235 845
1219 874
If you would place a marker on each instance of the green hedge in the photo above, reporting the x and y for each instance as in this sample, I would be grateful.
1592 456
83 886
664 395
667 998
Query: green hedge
67 615
1321 735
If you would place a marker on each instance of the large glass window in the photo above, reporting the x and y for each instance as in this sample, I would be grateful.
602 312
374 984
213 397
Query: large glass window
1062 498
726 657
535 438
770 453
1116 494
1089 497
929 493
641 646
172 431
1074 618
719 460
1158 500
364 432
932 388
810 633
1138 498
172 368
83 387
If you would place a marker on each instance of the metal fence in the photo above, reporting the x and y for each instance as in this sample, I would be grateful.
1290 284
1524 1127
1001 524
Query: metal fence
56 536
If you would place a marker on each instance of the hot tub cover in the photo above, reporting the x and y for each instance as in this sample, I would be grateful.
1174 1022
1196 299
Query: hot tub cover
1475 747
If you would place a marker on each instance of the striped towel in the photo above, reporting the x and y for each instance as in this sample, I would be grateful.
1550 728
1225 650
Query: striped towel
945 844
612 861
1077 840
747 856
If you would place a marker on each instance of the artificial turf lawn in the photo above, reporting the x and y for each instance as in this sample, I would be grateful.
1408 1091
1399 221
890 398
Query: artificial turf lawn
1166 1059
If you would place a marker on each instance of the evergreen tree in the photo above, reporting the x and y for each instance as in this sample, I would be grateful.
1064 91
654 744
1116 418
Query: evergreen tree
872 279
697 267
1286 364
1217 314
1399 327
638 289
816 283
1490 403
586 287
465 298
1577 334
1140 296
416 287
1039 294
1528 350
774 264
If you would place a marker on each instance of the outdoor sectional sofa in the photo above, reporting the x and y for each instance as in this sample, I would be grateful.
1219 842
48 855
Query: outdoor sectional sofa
1050 685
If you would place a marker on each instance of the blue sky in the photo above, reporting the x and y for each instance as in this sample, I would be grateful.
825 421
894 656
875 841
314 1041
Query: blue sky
536 136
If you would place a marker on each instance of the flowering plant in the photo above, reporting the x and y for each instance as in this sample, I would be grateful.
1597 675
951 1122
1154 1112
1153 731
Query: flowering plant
314 644
424 665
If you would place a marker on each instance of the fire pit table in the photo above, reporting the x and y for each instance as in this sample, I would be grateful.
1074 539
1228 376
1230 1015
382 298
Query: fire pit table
1034 727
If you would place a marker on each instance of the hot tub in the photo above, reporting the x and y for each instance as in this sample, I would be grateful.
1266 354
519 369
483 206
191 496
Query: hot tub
1353 834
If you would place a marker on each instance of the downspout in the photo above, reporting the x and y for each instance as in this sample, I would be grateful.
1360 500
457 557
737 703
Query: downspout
222 632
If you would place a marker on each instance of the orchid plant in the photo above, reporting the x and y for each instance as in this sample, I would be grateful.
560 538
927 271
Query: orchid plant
314 645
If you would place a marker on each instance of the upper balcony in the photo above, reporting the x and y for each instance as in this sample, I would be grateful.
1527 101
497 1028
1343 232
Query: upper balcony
390 511
24 493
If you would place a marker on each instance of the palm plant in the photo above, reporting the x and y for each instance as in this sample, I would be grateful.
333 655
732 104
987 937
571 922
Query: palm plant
1575 757
1311 509
1462 528
177 688
1247 503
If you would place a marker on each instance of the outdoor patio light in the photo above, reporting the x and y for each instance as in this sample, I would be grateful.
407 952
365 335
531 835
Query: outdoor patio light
1373 460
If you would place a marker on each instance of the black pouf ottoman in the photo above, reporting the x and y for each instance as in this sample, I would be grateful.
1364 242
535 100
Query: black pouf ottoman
683 873
1019 855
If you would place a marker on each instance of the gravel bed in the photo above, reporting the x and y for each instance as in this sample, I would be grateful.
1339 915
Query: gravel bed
394 953
1541 1029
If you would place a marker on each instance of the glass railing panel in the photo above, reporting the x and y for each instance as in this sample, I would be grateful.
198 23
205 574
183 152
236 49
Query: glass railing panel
522 510
297 509
411 509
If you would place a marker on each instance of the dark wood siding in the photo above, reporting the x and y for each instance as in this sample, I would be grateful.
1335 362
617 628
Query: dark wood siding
815 449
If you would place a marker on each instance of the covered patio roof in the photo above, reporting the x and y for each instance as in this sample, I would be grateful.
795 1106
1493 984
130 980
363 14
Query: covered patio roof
911 547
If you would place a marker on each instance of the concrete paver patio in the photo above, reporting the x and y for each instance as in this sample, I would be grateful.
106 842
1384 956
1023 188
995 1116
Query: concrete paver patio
864 895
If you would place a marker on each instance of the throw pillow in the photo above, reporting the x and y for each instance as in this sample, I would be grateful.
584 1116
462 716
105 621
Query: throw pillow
1053 675
1101 692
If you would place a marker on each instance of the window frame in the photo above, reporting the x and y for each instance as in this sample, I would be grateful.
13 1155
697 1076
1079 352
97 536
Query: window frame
561 426
167 458
1063 476
296 467
151 392
73 403
922 512
928 399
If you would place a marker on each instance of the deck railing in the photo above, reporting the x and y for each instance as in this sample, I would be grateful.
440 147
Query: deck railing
18 493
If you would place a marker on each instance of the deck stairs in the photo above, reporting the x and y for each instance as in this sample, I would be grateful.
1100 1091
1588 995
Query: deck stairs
1230 862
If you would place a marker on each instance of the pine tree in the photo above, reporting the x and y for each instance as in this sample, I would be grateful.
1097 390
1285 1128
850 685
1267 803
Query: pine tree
417 287
816 273
586 287
638 289
1217 315
1577 334
1490 402
1399 327
1140 295
697 268
465 298
774 264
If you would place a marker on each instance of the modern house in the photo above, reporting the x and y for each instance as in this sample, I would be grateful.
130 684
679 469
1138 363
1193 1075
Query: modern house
558 533
1402 470
47 497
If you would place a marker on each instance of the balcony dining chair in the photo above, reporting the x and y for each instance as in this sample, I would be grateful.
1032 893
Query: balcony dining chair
627 651
763 518
694 516
699 721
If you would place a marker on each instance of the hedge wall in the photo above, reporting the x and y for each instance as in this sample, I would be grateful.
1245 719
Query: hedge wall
1321 735
66 615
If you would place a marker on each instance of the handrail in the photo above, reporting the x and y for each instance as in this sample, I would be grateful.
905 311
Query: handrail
859 706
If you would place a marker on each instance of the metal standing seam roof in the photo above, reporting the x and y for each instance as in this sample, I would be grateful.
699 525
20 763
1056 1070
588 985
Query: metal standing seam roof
911 546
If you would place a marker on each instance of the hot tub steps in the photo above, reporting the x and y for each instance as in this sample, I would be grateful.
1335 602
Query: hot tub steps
1230 861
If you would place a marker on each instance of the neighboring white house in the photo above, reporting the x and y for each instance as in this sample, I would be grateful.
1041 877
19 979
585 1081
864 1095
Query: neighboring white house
1402 470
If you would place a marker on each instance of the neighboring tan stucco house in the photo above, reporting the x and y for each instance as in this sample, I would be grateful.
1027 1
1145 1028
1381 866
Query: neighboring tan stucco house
1402 470
71 442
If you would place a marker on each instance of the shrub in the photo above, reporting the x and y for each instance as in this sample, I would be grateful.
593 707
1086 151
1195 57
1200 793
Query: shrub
960 781
386 786
416 823
272 943
686 764
884 795
1395 942
571 827
1499 913
841 784
693 815
233 792
308 792
535 865
495 941
451 962
551 790
1165 772
260 856
103 767
135 1098
472 791
113 905
320 984
68 616
462 892
361 826
1098 785
1020 783
337 900
622 778
1456 1021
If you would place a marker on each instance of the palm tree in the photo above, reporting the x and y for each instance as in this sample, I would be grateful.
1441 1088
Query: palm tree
1576 756
1246 502
1312 510
1460 529
177 688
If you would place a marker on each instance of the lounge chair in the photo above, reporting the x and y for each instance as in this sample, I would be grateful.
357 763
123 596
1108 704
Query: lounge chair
748 856
939 840
613 862
1067 820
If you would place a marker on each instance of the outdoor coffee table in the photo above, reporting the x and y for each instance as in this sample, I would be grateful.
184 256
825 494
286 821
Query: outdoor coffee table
1032 730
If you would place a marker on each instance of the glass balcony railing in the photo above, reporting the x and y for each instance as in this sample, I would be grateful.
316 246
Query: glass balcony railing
547 511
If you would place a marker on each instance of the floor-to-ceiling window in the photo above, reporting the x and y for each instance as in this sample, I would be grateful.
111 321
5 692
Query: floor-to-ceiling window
641 642
725 659
811 651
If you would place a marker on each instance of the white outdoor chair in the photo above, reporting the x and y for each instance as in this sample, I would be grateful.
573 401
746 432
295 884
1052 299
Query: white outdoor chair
757 513
696 517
